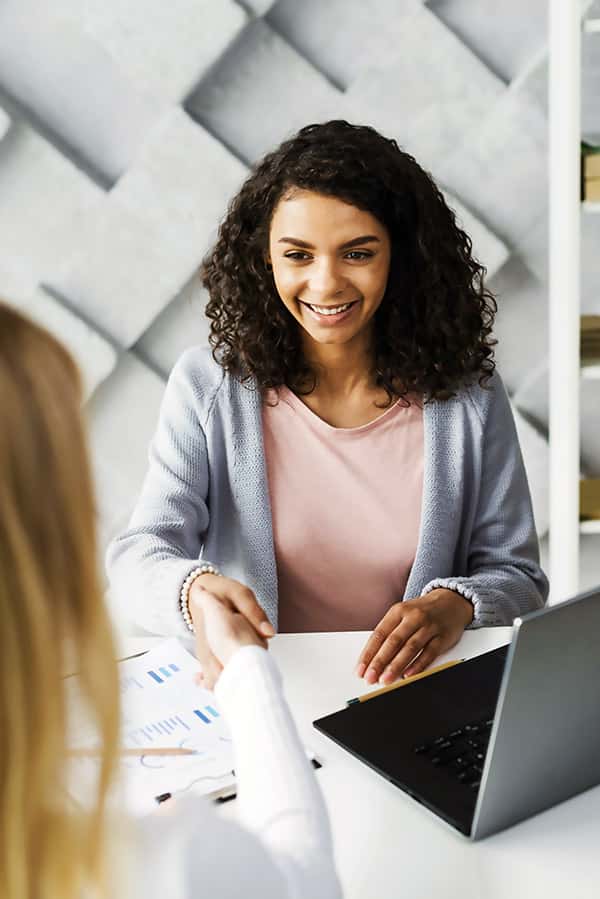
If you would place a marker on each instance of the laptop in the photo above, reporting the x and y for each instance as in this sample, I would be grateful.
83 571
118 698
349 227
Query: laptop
498 738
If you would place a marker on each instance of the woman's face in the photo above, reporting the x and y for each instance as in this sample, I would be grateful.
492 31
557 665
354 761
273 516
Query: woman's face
330 264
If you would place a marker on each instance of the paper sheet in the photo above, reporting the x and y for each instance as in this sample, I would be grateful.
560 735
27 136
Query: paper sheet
162 706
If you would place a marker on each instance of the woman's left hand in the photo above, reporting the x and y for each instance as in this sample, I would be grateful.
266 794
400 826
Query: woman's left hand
412 634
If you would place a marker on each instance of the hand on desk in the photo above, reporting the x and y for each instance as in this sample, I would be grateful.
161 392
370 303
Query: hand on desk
226 616
423 627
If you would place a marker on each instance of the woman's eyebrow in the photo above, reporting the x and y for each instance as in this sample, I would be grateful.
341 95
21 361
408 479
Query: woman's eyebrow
355 242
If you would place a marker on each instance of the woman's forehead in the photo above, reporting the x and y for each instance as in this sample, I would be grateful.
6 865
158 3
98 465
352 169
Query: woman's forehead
310 216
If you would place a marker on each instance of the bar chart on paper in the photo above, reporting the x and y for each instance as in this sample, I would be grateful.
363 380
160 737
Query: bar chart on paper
164 673
208 714
150 732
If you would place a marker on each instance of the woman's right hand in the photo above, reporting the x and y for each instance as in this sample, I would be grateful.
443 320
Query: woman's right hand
226 616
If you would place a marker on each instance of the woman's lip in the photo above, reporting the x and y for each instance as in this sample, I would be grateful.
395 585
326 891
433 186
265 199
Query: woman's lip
331 320
316 305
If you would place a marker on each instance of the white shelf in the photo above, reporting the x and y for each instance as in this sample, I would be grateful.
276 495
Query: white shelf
564 264
591 25
589 527
591 205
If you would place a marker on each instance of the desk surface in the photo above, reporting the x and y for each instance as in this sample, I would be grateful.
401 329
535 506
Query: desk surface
387 845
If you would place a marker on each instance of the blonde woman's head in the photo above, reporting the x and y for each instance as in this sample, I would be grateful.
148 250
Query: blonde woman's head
50 608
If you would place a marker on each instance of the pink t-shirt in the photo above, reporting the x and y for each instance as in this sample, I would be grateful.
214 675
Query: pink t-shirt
346 507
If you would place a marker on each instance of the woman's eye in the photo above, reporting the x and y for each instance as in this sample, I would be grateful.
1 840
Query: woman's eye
297 255
358 254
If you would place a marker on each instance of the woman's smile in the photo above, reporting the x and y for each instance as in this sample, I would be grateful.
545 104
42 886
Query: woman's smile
329 316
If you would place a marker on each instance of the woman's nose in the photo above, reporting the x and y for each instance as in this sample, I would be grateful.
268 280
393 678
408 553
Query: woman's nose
325 279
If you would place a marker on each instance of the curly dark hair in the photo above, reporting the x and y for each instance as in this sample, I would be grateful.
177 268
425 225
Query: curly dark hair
432 328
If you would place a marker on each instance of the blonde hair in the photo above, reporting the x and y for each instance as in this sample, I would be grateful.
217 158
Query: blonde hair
50 607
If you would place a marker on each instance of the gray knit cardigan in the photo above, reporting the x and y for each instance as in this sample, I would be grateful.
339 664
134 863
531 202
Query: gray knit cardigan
205 498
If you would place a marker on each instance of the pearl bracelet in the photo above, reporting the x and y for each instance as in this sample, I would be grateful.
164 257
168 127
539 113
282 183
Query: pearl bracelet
184 596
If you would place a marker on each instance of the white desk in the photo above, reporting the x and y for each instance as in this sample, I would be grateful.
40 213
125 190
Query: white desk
386 845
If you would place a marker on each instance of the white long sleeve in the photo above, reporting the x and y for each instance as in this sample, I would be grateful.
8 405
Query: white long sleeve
282 849
278 793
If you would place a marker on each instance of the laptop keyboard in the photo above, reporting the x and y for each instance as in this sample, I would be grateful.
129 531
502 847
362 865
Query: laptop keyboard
461 752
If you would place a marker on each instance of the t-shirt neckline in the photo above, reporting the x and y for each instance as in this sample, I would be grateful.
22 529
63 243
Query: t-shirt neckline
289 397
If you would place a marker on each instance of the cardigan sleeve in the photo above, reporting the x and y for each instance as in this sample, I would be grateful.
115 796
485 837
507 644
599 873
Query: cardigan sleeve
149 562
503 578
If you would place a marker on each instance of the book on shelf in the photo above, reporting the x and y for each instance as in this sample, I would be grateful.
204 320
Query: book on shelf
589 499
590 173
590 340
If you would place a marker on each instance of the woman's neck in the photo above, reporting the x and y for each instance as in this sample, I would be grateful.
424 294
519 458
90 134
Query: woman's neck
341 369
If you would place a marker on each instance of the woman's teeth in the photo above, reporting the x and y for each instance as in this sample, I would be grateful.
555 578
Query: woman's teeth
329 310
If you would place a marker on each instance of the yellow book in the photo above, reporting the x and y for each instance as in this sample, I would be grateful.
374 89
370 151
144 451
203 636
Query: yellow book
589 499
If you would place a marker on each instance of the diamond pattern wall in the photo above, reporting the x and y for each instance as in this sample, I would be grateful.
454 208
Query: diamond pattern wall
4 123
126 125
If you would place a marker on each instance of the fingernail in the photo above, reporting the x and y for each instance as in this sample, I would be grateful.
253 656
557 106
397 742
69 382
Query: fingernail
267 629
386 678
360 669
371 676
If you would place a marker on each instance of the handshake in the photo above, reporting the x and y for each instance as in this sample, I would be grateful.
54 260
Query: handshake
226 616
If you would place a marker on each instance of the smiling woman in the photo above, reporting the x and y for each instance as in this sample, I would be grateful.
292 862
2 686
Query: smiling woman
345 458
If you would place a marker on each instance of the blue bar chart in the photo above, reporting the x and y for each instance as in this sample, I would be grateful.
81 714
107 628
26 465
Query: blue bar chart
154 732
165 671
212 713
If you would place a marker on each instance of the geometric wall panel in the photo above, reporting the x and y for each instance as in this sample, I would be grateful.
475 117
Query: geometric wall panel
167 47
46 205
148 236
521 326
261 75
506 49
534 82
536 457
342 39
531 397
4 123
69 88
122 414
181 325
259 7
487 247
532 247
95 357
427 100
499 167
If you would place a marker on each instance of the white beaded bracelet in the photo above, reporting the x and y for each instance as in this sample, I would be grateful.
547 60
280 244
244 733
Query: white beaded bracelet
184 596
